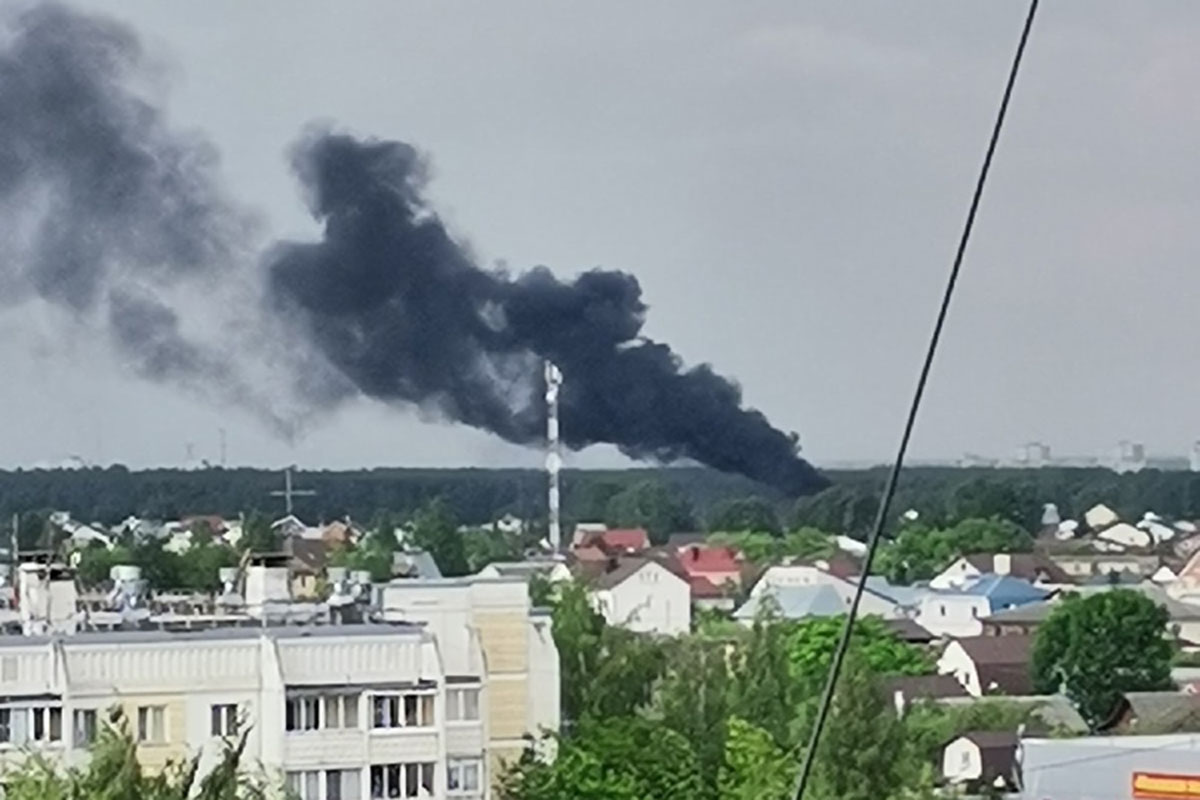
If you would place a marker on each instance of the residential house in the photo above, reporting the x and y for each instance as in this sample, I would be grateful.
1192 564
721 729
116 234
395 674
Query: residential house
340 533
307 560
642 595
585 529
1126 536
793 603
906 690
707 595
982 760
1081 566
289 526
907 630
1100 516
952 613
960 613
678 541
498 655
1033 567
717 564
616 541
1183 618
1151 713
781 583
989 664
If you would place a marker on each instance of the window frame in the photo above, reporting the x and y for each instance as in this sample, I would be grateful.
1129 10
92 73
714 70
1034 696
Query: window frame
90 718
223 719
146 717
458 769
456 703
394 710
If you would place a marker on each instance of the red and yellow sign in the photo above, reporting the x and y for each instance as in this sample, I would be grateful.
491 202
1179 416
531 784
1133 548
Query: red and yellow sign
1159 786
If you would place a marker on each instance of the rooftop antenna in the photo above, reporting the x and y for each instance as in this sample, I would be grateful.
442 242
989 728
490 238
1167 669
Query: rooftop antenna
554 380
288 493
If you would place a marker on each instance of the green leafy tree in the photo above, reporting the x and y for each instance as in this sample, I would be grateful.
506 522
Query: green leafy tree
484 546
658 507
919 551
754 767
605 671
258 536
1096 648
435 529
619 757
862 754
113 773
694 700
752 514
810 646
763 688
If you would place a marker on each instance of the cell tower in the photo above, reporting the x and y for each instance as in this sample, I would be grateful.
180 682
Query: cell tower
554 380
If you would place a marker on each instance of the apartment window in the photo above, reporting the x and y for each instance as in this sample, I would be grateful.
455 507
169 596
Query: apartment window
304 784
84 727
20 725
8 668
462 704
319 712
464 775
401 780
409 710
303 713
341 711
151 724
46 724
342 784
224 719
338 784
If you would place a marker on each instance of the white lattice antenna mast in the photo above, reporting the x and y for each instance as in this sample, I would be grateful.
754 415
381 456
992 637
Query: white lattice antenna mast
289 493
553 455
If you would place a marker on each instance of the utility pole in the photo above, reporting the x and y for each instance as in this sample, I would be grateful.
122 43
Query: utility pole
288 492
221 434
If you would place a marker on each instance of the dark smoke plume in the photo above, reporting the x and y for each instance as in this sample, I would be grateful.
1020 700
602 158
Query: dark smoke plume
104 211
107 213
401 309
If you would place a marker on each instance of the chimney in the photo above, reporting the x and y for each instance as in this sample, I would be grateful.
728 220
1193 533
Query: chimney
695 553
1002 564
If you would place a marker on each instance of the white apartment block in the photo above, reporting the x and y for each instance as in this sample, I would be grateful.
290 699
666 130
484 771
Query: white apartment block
430 698
340 712
487 627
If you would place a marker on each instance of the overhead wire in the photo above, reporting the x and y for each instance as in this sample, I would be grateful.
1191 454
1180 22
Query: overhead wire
889 490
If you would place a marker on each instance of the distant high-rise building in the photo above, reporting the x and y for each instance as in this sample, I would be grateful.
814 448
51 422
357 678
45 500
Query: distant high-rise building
1194 457
1033 454
1128 456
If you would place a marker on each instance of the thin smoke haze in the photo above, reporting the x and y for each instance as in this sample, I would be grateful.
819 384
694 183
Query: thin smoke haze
108 214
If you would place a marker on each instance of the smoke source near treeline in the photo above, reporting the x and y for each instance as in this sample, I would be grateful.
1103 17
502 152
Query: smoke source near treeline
107 212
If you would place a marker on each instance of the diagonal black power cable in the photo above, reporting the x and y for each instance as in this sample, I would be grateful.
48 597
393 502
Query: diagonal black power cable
889 490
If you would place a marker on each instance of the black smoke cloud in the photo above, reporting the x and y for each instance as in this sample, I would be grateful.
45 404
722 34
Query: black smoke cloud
111 215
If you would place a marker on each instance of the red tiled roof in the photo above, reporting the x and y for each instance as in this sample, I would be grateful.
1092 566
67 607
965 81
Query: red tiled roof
619 540
703 587
698 559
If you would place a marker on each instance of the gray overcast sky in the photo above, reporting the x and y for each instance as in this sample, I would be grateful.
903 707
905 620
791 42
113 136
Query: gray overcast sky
786 179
